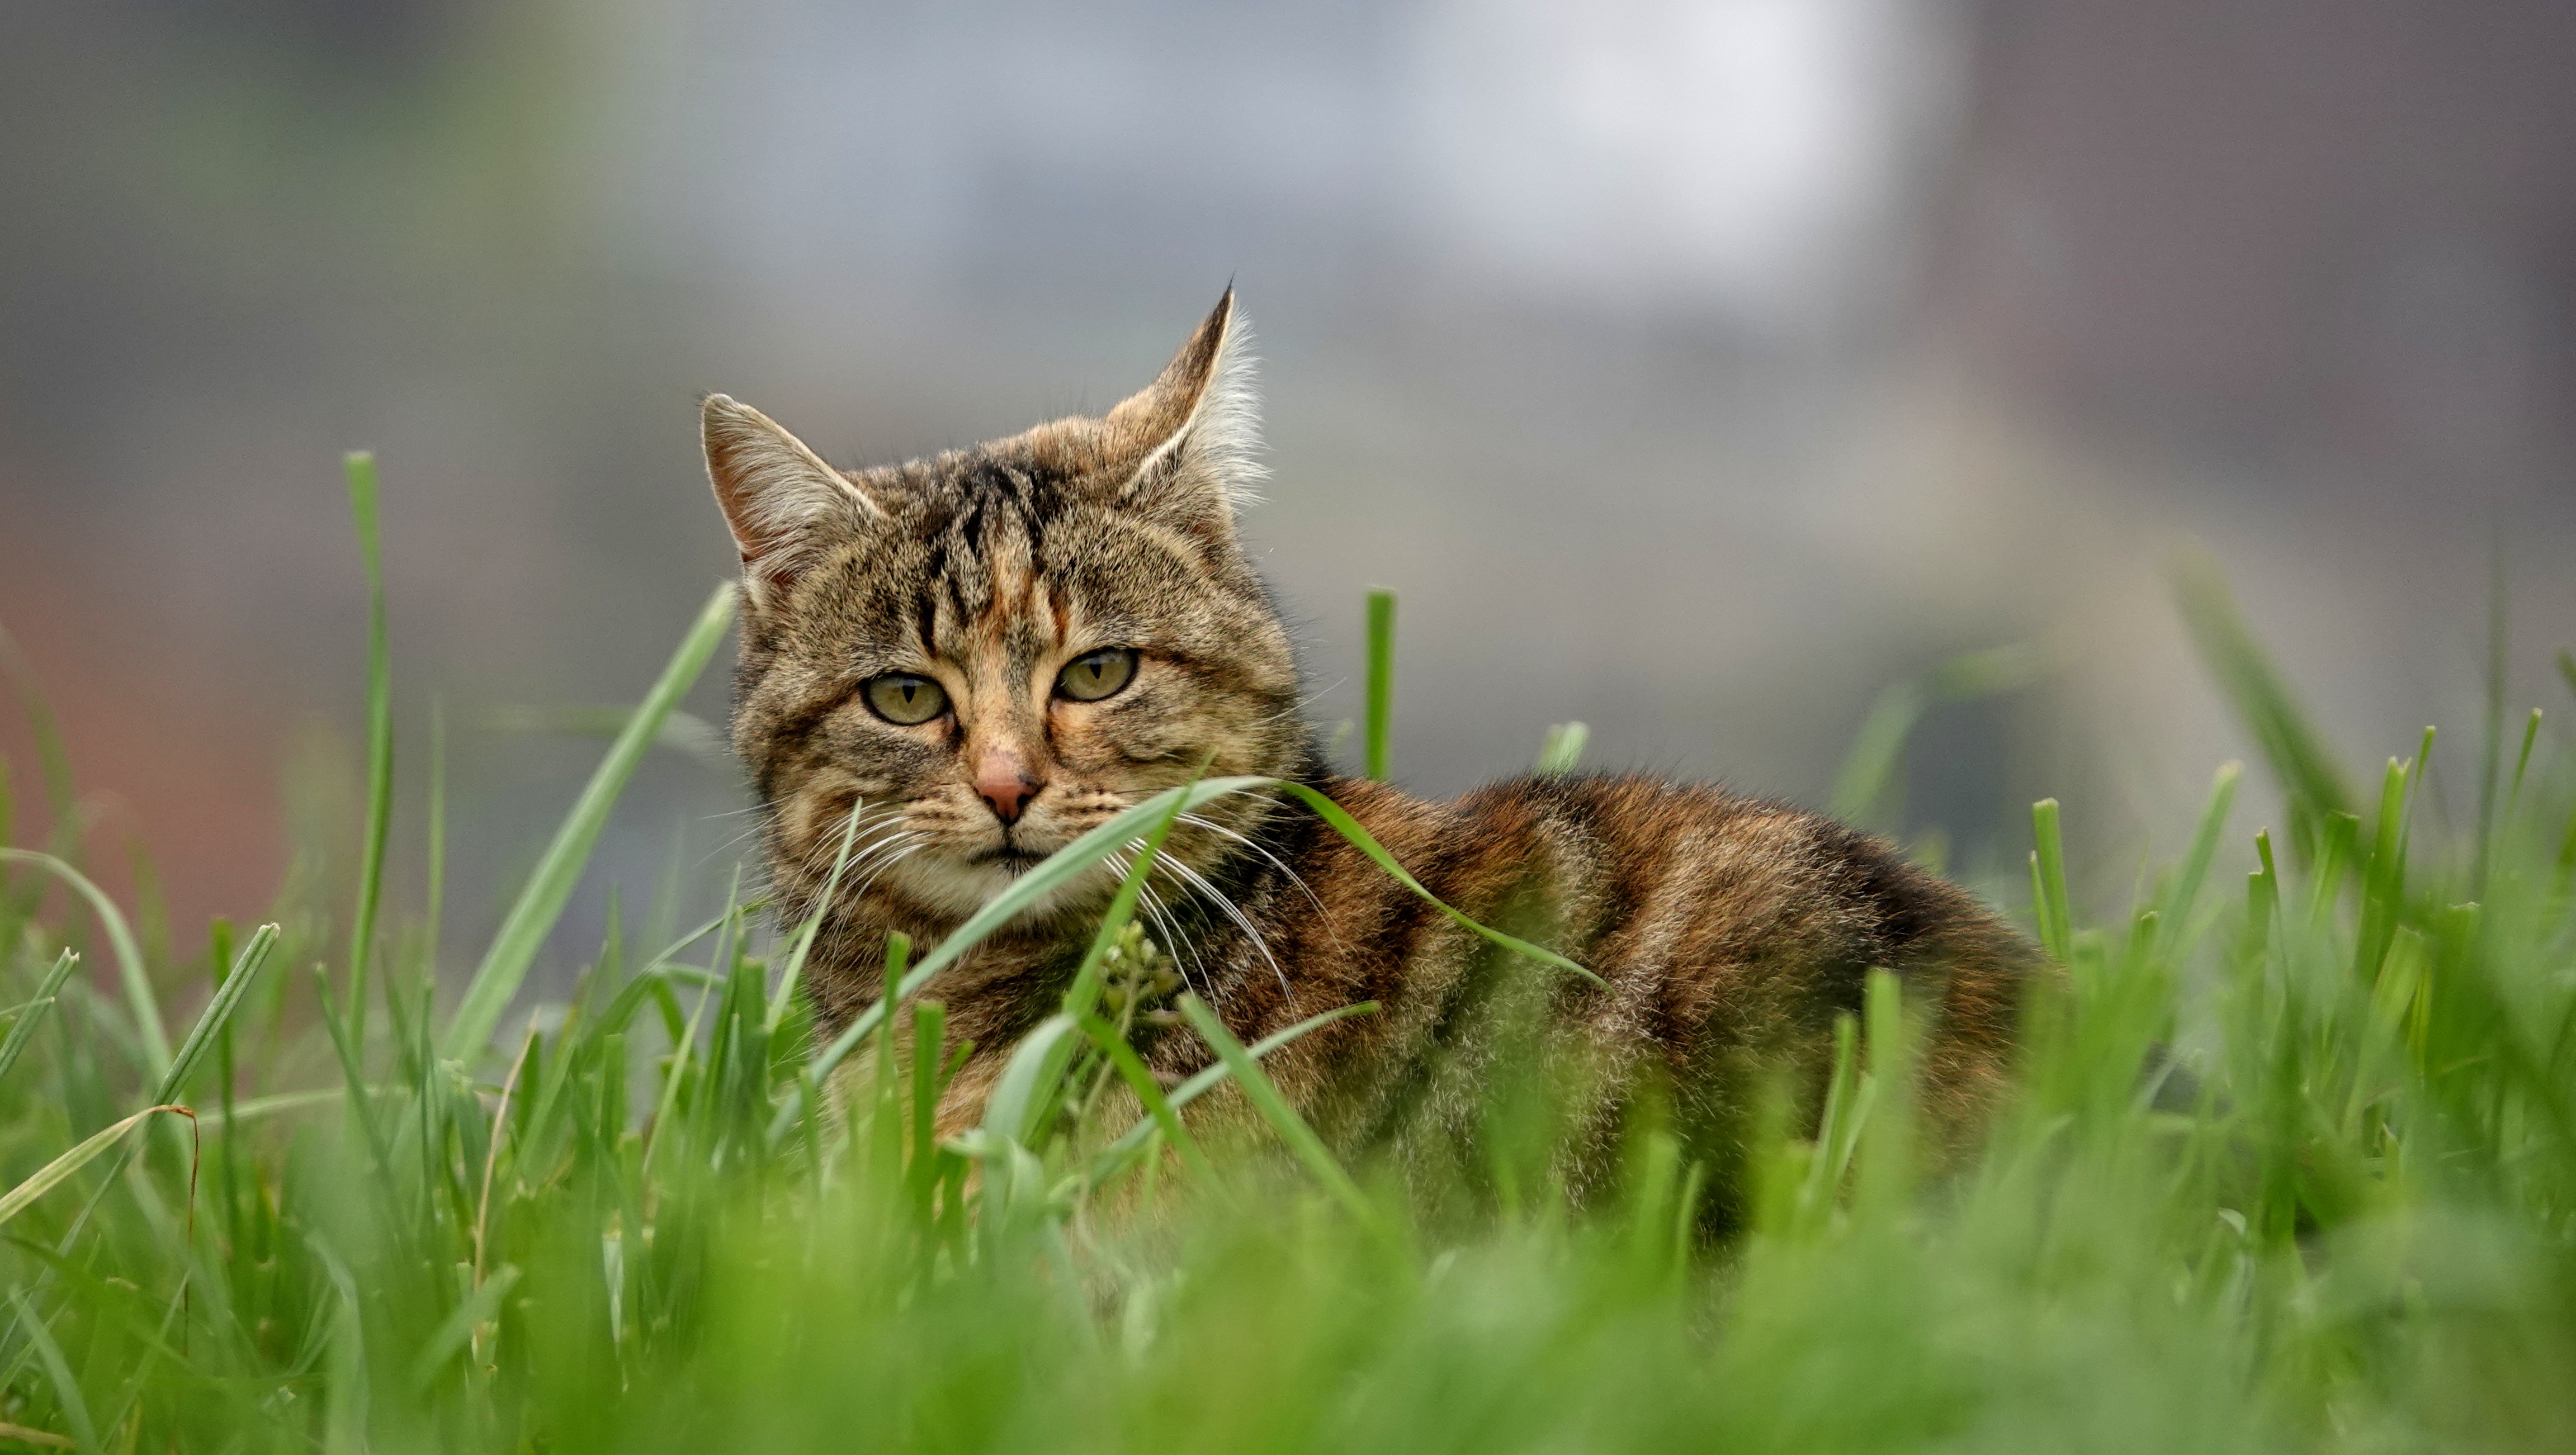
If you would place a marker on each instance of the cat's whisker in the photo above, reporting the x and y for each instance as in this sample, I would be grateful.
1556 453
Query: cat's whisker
1276 862
879 872
860 858
825 850
735 842
1233 912
884 843
1322 916
1148 903
1175 943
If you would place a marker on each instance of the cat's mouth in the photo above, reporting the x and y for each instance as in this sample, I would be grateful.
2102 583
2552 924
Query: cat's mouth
1009 858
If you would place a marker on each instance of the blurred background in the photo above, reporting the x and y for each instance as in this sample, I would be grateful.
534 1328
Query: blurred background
1693 368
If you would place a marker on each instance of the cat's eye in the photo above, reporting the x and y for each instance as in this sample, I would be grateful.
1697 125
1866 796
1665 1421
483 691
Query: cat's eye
904 699
1095 675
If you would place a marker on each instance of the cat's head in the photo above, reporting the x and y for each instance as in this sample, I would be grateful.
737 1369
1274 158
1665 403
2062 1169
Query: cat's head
986 653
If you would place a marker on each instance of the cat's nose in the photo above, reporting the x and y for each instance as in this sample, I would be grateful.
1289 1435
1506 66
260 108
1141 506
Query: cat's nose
1006 783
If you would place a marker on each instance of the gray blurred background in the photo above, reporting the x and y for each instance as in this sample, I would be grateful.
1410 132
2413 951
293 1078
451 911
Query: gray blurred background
1694 368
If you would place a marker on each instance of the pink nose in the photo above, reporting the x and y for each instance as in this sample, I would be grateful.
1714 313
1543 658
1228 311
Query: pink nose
1006 783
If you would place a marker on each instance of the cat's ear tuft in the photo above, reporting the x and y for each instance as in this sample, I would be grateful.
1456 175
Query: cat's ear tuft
779 497
1194 434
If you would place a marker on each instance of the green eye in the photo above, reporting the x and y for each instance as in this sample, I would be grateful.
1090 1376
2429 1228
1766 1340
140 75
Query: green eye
904 699
1095 675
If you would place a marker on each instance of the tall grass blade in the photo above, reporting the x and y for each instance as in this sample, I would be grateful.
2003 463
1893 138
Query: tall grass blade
2055 922
2522 760
1868 772
1026 1092
2185 890
361 468
67 1390
543 898
51 1175
140 997
2307 773
1084 992
32 1014
451 1337
1381 679
1160 1114
2491 755
1274 1108
434 910
1214 1076
218 1012
1340 821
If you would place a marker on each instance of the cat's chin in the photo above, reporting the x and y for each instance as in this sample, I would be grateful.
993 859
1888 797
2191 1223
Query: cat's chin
958 887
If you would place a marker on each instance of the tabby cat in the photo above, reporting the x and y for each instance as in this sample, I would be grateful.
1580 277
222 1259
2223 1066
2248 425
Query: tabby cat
984 654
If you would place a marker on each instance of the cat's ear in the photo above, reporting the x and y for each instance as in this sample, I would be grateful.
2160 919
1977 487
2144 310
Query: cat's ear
779 497
1194 434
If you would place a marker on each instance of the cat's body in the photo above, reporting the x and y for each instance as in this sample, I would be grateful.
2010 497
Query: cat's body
985 654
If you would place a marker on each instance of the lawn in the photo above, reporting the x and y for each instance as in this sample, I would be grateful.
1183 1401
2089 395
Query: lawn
2293 1166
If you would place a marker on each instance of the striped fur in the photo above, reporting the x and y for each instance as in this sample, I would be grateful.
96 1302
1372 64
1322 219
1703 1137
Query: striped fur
1731 932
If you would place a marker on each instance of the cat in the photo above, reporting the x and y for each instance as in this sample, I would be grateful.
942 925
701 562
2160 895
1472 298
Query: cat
984 654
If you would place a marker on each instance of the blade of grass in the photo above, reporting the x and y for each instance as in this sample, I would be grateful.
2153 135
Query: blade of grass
1135 1137
2307 773
543 898
1341 822
50 1176
32 1014
218 1012
1026 1089
1869 770
2185 888
2383 880
1381 678
2522 760
67 1390
1159 1110
139 995
2055 928
776 1010
1870 767
203 1035
450 1337
361 469
2262 896
2491 758
1283 1118
1563 749
436 890
1084 992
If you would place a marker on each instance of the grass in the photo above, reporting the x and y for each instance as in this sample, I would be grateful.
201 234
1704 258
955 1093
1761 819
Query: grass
2293 1167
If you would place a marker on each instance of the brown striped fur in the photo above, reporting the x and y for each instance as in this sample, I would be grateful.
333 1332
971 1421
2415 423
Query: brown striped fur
1730 932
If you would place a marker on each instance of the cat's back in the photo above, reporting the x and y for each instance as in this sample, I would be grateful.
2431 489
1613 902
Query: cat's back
1636 866
1718 923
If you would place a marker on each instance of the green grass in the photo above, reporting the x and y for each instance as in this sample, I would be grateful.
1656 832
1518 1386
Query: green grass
2293 1167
